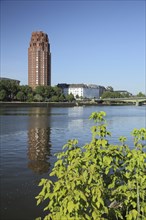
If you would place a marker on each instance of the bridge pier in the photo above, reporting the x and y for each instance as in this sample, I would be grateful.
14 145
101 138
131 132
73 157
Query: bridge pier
138 103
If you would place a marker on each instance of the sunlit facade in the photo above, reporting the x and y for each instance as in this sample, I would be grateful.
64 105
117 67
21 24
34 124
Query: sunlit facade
82 90
39 60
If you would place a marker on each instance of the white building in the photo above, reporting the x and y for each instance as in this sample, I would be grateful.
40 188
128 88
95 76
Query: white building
77 90
83 90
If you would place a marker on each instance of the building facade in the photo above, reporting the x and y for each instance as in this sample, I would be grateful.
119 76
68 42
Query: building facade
39 60
82 90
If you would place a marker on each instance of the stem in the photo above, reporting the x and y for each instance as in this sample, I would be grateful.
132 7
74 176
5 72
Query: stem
143 211
138 204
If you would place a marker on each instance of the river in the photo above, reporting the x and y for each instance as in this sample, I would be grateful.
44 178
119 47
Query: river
29 137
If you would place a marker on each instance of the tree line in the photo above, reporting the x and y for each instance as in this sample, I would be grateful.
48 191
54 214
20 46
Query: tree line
114 94
110 93
11 91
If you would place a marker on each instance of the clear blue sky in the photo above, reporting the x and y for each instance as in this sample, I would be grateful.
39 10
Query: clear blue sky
99 42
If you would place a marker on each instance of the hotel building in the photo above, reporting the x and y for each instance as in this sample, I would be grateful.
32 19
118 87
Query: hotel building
39 60
82 90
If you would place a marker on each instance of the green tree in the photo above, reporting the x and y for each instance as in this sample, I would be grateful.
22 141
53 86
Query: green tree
38 98
127 94
117 95
11 88
110 89
62 98
70 97
54 98
30 97
57 91
140 94
106 94
77 96
3 95
21 96
26 89
3 85
49 92
40 90
99 180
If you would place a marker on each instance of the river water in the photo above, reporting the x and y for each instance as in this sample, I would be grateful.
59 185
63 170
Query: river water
30 136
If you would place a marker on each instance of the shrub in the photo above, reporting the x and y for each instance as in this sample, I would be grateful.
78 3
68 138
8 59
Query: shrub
99 180
3 95
38 98
21 96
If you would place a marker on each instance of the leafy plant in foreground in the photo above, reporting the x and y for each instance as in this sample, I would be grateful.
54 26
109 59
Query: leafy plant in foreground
99 180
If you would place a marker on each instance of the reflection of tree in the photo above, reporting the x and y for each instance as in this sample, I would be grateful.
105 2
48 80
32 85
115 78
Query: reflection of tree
39 141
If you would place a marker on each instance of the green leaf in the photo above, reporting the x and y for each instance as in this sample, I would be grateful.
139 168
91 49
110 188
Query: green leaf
71 206
42 182
132 215
107 160
39 201
94 215
83 196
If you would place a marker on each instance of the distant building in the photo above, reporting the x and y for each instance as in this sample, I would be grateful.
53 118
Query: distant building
82 90
39 60
64 88
8 79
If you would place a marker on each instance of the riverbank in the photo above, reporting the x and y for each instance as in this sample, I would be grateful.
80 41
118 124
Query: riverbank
58 104
37 104
47 104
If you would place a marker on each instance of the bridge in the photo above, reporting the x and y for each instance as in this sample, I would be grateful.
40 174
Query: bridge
134 100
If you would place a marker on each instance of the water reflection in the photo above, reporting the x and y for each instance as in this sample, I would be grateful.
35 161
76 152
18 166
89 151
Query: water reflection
39 140
76 119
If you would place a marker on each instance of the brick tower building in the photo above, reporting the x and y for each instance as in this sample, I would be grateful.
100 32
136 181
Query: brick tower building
39 60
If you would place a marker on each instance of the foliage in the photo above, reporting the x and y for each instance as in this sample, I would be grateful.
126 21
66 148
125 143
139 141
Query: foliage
57 91
10 91
48 92
62 98
110 94
99 180
70 97
54 98
30 97
40 90
26 89
3 95
10 87
140 94
38 98
110 89
21 96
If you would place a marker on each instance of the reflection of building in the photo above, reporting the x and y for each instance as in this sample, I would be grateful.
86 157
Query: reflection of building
82 90
39 60
39 140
